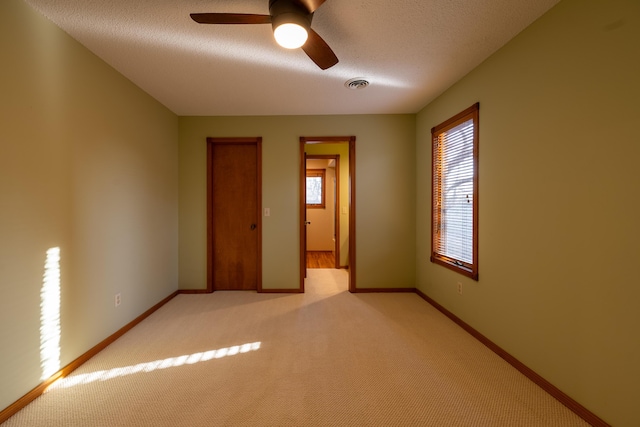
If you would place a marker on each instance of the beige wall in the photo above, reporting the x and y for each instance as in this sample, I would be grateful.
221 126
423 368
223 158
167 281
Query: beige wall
559 230
385 217
88 163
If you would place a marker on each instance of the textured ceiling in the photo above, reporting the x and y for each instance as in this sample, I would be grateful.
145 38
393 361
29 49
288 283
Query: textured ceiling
409 50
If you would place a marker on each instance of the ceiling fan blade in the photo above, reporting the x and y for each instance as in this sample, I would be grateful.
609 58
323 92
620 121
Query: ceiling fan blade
230 18
319 51
311 5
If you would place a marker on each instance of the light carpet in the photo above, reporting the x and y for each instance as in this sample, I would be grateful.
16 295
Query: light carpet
323 358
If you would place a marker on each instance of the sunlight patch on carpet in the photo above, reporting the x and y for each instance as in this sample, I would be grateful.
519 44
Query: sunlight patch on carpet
172 362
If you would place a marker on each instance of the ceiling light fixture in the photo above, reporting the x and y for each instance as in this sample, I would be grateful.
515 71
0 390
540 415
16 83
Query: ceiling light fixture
290 35
290 23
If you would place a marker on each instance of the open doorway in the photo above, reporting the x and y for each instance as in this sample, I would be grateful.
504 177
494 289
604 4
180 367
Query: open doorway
323 203
327 225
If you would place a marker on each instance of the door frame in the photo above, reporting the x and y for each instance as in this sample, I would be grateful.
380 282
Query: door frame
257 141
351 140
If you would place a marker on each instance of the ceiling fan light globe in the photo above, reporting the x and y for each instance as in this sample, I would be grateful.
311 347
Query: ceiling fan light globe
290 35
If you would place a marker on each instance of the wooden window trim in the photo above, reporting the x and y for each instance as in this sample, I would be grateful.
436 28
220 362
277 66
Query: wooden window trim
322 174
464 268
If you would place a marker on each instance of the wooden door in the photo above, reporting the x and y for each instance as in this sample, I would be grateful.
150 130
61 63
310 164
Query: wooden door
234 219
303 201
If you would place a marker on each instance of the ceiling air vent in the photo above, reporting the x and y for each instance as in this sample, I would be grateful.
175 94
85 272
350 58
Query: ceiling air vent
357 83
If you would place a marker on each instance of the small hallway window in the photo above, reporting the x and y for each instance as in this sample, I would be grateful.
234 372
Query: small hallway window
316 188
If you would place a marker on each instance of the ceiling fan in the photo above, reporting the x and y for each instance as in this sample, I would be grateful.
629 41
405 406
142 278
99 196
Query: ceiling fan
291 22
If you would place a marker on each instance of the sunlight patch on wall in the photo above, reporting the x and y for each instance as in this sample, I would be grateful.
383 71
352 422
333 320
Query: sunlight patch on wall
50 315
171 362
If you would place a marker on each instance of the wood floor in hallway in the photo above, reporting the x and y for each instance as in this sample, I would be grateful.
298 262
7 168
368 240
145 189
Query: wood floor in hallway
321 259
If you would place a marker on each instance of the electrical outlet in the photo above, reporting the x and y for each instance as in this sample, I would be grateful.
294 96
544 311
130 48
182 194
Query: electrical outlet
460 288
118 299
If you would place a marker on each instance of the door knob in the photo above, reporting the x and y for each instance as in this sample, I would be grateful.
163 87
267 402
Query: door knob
307 222
253 226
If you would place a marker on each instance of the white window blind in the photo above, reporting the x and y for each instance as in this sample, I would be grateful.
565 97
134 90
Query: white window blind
315 188
454 180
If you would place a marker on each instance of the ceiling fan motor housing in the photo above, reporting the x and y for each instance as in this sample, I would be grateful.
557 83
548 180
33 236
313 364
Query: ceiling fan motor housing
289 12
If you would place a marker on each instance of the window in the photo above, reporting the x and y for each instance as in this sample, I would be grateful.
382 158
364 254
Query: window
315 188
454 228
